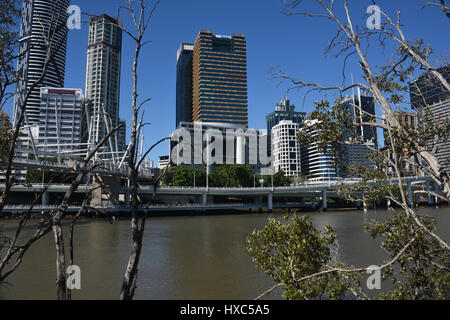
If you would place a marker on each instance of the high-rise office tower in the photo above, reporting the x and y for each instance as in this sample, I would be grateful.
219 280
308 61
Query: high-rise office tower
407 162
354 153
184 83
431 99
405 118
40 18
367 104
219 79
103 81
283 111
427 90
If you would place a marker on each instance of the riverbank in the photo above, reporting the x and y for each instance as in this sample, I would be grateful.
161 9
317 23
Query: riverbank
95 213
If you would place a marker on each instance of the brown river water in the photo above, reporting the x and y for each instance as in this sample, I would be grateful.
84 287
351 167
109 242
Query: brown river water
185 257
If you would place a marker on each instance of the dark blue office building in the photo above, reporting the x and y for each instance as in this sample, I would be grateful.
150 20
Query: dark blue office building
184 83
283 111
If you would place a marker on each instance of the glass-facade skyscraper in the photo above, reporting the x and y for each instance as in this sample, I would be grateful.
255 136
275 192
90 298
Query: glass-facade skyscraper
430 98
428 90
184 84
219 79
367 104
36 21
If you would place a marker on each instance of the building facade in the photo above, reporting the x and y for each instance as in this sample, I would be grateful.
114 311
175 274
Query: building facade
431 100
283 111
354 154
286 148
219 85
427 90
36 20
103 81
184 84
315 165
355 104
60 121
225 142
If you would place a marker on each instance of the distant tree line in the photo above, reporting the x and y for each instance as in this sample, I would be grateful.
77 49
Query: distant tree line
225 175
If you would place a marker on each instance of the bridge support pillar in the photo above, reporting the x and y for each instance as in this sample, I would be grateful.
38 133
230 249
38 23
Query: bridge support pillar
259 200
127 198
44 199
429 197
410 194
436 199
313 201
108 185
204 198
270 201
324 200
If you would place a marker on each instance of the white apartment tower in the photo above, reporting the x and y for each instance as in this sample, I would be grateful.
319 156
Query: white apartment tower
286 147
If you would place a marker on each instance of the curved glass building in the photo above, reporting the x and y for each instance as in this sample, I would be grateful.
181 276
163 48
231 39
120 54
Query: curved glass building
40 19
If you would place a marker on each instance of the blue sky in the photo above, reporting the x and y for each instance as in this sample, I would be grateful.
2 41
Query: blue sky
295 44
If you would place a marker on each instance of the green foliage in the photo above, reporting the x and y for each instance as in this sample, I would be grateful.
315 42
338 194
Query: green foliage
225 175
422 272
231 175
334 125
9 14
290 251
167 180
39 176
182 176
279 180
372 183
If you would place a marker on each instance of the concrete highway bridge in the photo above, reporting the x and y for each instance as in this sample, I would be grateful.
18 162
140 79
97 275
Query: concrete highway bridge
200 198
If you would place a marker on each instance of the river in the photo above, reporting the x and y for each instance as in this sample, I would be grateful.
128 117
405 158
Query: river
184 257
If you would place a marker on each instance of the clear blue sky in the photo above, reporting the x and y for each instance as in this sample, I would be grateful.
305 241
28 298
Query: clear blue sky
295 44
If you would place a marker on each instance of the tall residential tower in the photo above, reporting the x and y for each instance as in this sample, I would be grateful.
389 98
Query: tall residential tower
103 81
40 18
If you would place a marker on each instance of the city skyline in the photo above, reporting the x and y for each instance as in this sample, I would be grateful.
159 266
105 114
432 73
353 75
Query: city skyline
276 45
359 168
